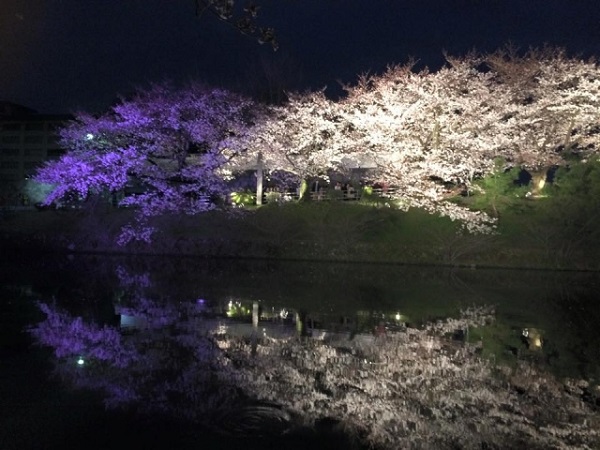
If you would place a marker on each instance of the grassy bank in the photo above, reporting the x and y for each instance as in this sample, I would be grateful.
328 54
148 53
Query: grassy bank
527 235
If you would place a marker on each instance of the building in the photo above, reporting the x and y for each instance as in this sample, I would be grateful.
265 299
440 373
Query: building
27 139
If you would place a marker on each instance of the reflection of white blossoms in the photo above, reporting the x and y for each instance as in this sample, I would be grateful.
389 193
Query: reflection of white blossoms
416 389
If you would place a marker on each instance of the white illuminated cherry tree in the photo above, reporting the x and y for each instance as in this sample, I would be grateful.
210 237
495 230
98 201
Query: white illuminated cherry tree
427 130
550 108
423 130
301 137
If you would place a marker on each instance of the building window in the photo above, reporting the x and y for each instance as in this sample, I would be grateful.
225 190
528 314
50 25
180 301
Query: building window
34 126
10 127
34 139
34 152
9 152
10 139
54 126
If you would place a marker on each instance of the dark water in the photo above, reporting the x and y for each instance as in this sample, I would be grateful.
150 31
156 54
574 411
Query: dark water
551 318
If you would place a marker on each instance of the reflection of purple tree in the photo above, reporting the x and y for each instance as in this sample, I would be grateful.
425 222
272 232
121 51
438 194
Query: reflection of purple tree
138 281
172 365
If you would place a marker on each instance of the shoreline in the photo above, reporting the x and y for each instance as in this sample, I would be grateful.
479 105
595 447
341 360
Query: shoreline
33 245
364 236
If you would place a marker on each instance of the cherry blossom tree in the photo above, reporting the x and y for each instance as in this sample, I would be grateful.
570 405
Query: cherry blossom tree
551 112
174 142
302 135
427 130
422 130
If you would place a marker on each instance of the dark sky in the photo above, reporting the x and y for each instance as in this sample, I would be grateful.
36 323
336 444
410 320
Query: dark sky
69 55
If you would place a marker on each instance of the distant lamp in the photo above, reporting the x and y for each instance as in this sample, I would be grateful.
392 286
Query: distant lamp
80 361
89 137
398 317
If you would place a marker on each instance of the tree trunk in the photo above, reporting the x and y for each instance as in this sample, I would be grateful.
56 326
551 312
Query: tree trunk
538 181
259 179
302 191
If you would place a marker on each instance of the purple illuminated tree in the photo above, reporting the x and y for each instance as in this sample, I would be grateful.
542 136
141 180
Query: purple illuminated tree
172 142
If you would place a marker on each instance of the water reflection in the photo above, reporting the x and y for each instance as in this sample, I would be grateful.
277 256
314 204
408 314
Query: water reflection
378 355
258 368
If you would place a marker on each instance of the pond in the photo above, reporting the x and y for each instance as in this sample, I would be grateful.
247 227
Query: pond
169 352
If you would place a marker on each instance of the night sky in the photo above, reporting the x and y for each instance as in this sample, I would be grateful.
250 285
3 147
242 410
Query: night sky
59 56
